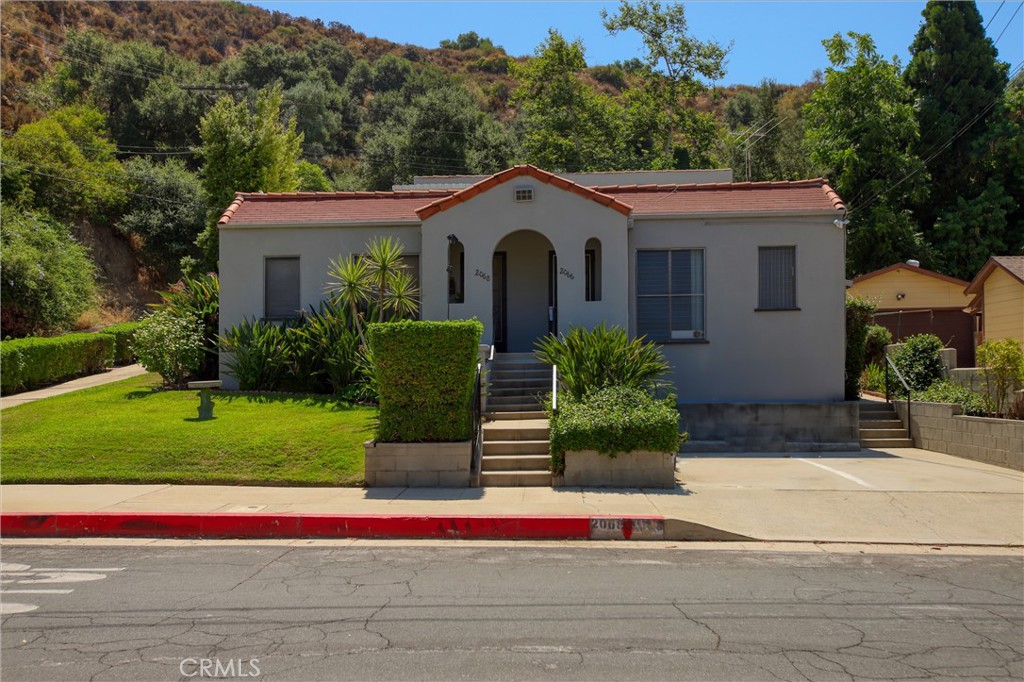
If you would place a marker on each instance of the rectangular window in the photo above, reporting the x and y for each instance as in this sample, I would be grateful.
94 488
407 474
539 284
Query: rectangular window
591 276
670 294
776 278
524 194
281 288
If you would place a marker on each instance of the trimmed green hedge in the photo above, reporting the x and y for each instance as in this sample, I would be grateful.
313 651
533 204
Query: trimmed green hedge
28 363
613 420
123 335
424 372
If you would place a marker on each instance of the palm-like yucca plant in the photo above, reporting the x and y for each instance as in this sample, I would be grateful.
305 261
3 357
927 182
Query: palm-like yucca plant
376 282
255 354
588 360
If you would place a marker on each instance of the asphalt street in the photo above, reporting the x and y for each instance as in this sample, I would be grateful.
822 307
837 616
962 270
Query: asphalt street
517 611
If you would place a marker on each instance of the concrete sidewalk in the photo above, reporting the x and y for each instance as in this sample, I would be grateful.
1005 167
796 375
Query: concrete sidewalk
903 496
108 377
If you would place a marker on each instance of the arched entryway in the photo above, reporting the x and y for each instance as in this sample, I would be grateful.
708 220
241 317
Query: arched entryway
525 291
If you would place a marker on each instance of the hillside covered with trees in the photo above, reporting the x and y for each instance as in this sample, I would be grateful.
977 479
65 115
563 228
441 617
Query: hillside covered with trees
128 126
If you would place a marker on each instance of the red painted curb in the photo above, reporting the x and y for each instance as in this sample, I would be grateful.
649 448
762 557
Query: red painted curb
201 526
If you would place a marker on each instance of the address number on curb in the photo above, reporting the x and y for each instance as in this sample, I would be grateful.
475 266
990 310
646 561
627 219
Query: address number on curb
627 529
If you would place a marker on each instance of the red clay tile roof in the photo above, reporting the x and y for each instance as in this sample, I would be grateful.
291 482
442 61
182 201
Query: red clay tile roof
515 172
1014 265
412 206
910 268
728 197
293 208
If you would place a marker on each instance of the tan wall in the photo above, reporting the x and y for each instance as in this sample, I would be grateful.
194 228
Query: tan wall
750 356
922 291
1003 316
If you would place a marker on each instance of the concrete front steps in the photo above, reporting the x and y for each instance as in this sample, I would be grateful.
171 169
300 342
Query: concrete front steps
880 427
517 383
516 440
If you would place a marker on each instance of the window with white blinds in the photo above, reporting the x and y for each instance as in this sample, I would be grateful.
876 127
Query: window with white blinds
281 288
670 294
776 278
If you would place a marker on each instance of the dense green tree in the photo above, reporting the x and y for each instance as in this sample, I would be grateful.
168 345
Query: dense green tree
246 148
333 57
567 125
168 212
47 276
390 73
683 61
64 164
862 130
325 115
312 178
958 83
263 64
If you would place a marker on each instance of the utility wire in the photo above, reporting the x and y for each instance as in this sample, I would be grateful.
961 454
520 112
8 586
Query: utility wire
24 169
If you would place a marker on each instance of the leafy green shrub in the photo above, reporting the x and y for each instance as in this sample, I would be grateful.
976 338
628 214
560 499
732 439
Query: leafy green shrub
170 345
944 391
1002 365
123 334
878 337
256 355
588 360
858 317
874 377
29 363
47 276
918 361
330 338
198 297
612 420
425 373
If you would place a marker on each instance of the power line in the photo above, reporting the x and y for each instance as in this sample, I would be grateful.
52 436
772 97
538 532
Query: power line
1009 22
24 169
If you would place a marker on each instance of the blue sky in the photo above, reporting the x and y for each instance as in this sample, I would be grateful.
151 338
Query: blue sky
781 40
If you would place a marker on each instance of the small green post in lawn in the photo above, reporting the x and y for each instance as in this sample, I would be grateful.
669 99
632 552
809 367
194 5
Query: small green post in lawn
205 400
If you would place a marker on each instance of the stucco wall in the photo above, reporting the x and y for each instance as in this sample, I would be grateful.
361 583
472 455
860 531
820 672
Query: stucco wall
565 219
750 356
243 250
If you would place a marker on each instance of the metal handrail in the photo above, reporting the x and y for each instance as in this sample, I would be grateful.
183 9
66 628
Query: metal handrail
554 388
889 363
476 410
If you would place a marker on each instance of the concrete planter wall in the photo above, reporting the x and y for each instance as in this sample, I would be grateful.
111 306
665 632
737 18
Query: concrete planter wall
943 428
640 469
418 465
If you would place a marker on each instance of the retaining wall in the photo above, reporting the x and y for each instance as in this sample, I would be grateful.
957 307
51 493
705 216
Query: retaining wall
418 465
770 427
944 428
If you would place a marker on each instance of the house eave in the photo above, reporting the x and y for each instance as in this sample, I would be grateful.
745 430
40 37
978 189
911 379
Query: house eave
232 225
827 213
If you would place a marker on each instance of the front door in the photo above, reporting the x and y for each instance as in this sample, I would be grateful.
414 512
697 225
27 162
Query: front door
552 293
499 309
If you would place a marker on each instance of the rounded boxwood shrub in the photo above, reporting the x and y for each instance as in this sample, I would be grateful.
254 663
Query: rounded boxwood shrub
918 361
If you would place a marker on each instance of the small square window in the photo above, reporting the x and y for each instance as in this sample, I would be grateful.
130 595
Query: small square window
524 194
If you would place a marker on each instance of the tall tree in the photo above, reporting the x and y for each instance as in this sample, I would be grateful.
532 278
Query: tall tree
246 148
862 131
958 83
683 60
567 124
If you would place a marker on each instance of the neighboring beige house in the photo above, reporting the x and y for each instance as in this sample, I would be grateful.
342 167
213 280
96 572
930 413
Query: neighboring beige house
998 295
742 283
911 300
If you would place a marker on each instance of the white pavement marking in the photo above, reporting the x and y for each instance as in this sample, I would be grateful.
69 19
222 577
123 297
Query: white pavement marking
36 591
61 577
848 477
8 608
74 570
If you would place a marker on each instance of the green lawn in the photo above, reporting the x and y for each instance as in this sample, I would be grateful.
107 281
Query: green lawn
127 432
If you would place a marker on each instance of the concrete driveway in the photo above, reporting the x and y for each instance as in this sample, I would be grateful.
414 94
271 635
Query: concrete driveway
895 495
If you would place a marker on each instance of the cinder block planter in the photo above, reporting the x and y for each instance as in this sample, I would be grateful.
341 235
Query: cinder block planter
418 465
640 469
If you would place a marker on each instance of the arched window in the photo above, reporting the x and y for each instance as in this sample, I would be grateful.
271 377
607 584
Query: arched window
592 269
456 271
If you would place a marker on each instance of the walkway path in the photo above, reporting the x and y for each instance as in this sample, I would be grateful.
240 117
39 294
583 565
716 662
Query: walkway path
116 374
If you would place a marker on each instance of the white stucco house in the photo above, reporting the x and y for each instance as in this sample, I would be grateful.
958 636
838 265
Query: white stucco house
742 283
